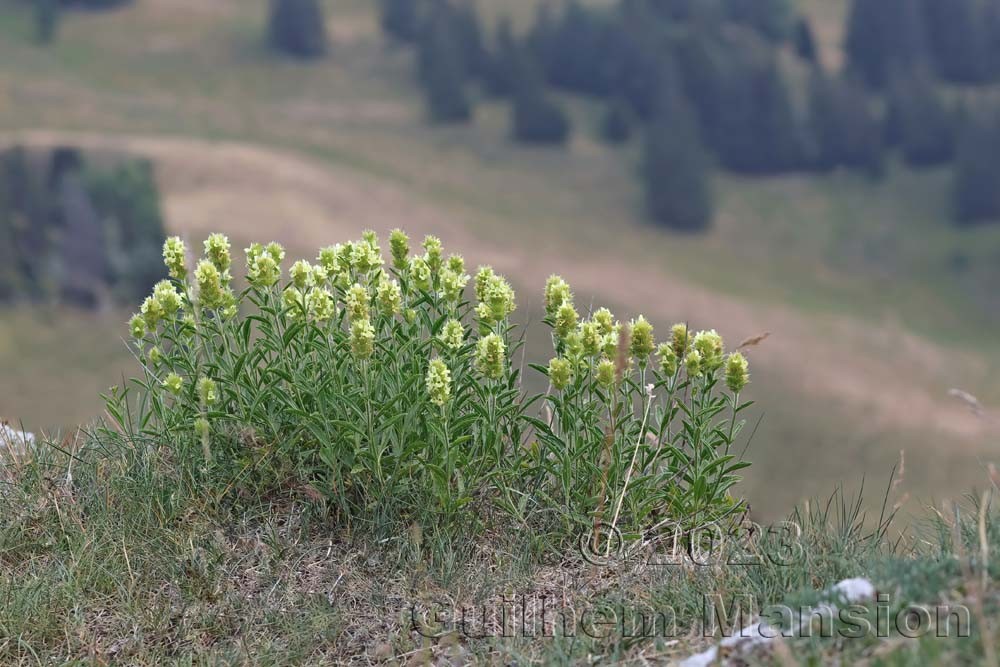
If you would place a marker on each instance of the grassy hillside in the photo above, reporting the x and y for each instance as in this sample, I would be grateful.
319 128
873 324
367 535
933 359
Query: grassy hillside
876 305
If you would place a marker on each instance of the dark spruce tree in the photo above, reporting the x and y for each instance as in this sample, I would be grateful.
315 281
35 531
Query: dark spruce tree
297 28
976 188
46 20
535 117
771 18
805 43
919 121
443 73
758 132
844 129
957 35
675 169
402 18
885 37
616 124
500 62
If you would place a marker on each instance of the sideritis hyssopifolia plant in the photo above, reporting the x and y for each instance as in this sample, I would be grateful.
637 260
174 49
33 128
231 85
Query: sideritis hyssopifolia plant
388 391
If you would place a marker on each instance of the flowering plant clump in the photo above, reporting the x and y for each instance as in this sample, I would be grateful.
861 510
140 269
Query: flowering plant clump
390 392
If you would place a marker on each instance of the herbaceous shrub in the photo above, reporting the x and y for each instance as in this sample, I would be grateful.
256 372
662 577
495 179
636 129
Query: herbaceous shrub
389 392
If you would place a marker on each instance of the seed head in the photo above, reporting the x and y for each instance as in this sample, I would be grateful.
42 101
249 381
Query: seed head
560 373
737 372
491 356
175 257
438 382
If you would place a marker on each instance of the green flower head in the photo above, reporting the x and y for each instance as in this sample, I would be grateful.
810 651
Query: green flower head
320 275
641 345
456 263
357 301
175 257
399 246
202 427
362 338
367 255
452 285
294 302
327 258
573 345
207 391
433 250
710 347
137 326
737 372
590 338
420 273
322 305
452 335
605 321
483 276
566 320
152 312
174 383
211 291
560 373
438 382
169 298
499 297
692 363
609 344
263 270
217 251
667 358
606 373
557 293
491 356
388 296
680 339
275 251
155 356
301 274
